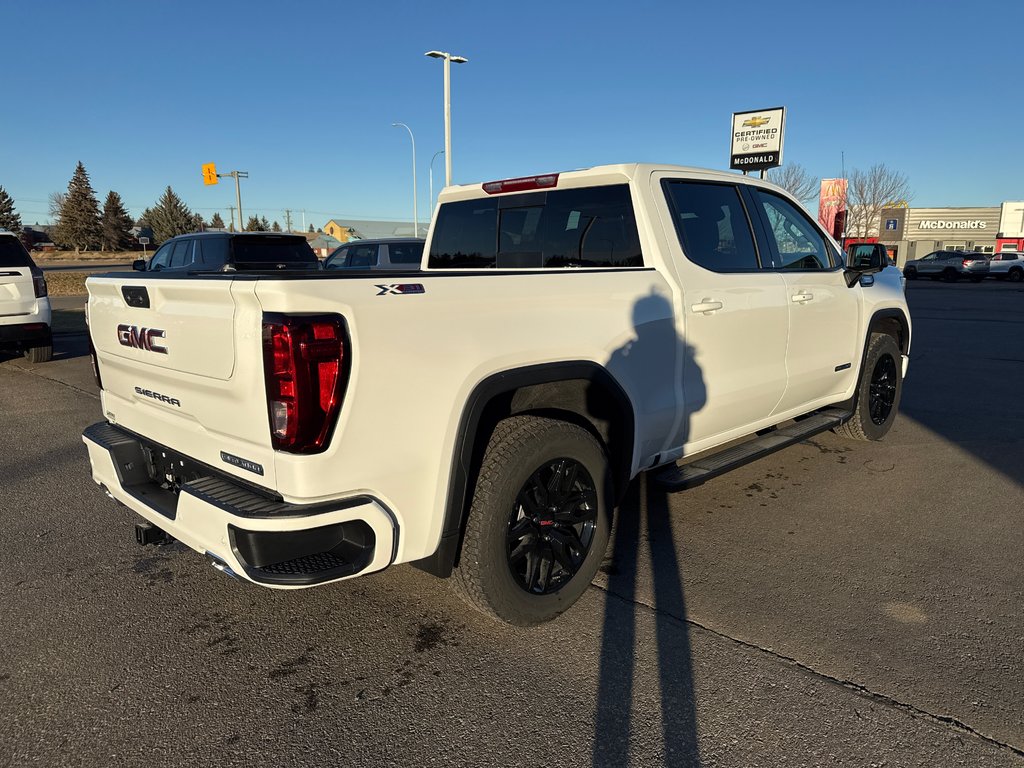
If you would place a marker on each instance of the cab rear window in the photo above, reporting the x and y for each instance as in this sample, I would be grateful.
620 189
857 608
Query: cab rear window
588 227
13 253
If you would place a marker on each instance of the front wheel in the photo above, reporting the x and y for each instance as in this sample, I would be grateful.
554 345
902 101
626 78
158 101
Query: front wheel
910 273
539 521
1015 275
878 391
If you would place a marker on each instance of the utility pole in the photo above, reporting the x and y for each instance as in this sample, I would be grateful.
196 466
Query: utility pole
303 221
231 226
210 176
288 220
238 193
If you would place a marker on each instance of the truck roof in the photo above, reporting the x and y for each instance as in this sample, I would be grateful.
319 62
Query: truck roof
617 173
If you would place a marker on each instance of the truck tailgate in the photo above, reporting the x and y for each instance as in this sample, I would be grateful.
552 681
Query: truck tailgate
181 364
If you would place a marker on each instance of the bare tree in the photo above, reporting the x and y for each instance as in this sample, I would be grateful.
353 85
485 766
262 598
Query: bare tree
56 203
795 180
868 193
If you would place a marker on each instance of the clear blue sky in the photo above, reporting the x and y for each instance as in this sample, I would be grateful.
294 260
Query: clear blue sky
302 95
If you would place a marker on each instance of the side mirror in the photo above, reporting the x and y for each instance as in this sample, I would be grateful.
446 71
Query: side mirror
139 265
865 259
867 256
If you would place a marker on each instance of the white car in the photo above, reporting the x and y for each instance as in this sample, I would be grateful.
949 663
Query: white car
24 304
1008 265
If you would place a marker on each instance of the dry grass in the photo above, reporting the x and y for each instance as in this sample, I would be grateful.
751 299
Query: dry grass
66 283
115 257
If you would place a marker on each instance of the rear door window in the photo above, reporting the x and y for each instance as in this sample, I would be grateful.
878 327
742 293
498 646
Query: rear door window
586 227
712 225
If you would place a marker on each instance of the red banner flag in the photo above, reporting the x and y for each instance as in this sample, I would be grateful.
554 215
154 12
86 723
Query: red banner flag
832 206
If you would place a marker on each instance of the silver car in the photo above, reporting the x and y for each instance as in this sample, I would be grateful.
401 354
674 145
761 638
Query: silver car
392 253
949 266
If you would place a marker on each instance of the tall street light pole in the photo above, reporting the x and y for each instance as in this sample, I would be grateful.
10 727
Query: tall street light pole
439 152
415 213
448 59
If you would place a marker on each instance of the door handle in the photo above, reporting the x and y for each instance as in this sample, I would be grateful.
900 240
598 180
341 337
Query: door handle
707 306
803 297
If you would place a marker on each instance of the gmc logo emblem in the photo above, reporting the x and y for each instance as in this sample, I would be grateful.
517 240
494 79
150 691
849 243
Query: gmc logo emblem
141 338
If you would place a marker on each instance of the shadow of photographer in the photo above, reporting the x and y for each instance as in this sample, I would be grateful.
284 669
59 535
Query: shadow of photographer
656 355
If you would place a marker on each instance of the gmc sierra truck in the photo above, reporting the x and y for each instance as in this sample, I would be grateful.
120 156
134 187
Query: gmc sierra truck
482 416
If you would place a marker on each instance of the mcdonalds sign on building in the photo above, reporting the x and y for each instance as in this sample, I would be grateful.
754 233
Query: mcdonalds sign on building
757 139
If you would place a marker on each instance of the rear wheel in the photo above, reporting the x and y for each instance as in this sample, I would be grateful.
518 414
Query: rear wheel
40 353
538 523
878 391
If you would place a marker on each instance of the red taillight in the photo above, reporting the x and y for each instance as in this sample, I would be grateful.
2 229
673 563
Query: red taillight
304 364
39 284
966 262
522 184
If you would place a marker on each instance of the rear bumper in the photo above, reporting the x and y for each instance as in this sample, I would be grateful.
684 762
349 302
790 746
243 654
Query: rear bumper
265 541
22 333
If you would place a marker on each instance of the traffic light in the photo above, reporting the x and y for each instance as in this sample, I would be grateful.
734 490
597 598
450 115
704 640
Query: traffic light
209 173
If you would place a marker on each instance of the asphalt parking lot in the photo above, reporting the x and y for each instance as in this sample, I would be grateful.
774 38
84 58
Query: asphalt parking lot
838 603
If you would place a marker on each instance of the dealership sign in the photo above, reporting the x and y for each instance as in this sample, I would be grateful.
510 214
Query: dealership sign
952 224
757 139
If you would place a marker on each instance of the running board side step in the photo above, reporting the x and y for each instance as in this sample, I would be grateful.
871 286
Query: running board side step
679 478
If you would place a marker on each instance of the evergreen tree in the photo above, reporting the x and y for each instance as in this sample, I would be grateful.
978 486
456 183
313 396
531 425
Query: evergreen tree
311 228
216 222
265 224
8 218
79 225
114 224
254 225
169 218
275 227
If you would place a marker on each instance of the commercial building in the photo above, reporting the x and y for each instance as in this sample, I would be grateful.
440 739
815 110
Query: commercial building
911 233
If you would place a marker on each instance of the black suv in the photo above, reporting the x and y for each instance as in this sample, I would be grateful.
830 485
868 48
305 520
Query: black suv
231 251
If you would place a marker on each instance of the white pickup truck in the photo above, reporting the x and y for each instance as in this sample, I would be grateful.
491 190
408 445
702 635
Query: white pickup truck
481 417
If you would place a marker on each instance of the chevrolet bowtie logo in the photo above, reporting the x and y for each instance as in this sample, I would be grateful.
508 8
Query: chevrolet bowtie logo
755 122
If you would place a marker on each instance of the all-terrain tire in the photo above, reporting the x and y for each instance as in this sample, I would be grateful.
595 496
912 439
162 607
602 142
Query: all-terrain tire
519 451
878 391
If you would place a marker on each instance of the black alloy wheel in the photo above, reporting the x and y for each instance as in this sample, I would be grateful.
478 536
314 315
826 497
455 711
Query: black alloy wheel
882 391
551 526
